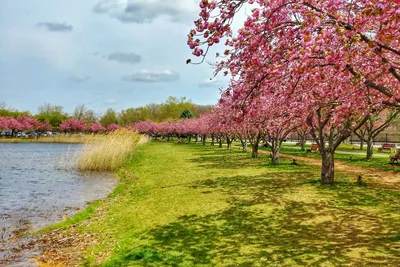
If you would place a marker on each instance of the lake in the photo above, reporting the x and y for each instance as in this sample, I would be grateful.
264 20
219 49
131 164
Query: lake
37 190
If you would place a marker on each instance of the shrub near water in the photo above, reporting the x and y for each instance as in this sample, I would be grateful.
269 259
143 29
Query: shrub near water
110 152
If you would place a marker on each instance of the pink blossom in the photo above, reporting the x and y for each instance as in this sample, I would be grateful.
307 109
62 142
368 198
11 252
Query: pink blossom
72 125
96 128
112 127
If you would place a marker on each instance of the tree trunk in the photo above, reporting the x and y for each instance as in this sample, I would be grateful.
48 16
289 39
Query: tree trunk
244 145
361 144
328 167
203 139
220 142
275 154
254 150
370 148
212 140
303 146
302 142
229 143
168 138
189 138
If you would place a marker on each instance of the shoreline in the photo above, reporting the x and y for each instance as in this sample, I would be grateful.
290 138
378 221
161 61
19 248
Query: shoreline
26 245
35 242
49 140
23 228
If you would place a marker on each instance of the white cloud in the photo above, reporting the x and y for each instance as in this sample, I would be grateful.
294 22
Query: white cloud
129 58
152 76
214 82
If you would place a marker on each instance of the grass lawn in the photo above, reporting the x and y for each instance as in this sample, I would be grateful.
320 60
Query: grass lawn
189 205
349 156
342 147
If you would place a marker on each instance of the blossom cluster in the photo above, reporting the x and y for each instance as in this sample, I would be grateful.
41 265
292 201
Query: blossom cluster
23 123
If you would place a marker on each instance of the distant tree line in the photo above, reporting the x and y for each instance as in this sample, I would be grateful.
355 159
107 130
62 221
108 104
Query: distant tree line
172 109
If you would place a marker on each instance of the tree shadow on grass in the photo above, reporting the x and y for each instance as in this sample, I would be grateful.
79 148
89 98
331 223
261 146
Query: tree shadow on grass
263 227
224 160
212 157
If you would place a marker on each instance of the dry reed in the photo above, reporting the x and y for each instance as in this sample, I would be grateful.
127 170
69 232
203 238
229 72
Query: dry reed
108 152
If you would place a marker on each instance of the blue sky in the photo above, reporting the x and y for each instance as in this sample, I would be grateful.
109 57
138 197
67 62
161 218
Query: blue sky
109 53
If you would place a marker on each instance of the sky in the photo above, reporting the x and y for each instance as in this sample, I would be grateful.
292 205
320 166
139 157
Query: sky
101 53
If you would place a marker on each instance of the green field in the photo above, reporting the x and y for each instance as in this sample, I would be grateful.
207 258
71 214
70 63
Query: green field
189 205
352 157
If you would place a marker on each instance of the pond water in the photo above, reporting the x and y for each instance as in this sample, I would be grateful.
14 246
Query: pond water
36 190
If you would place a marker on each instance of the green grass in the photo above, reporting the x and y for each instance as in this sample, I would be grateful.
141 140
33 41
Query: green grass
189 205
377 162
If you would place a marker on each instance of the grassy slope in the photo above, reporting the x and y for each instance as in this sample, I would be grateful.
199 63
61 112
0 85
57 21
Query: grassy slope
190 205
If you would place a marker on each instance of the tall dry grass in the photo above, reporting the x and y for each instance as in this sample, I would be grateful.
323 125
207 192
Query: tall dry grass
108 152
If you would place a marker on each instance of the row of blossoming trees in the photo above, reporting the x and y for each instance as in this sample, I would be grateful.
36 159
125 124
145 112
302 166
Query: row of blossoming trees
331 64
320 67
75 125
24 123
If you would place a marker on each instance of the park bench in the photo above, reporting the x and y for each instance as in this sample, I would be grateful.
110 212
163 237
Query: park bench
314 147
395 158
386 146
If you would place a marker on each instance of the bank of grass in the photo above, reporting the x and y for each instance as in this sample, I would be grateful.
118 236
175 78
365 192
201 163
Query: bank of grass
110 151
189 205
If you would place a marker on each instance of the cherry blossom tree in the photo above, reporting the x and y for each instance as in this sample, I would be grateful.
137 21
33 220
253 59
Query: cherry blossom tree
359 37
96 128
23 123
72 125
145 127
8 123
223 121
43 126
380 121
302 132
27 123
204 127
329 59
112 127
